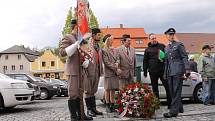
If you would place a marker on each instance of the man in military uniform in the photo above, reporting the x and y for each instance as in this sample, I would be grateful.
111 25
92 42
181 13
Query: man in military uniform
69 47
176 68
93 72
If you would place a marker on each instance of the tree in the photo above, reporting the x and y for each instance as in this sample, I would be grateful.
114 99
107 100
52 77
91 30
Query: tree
67 28
93 22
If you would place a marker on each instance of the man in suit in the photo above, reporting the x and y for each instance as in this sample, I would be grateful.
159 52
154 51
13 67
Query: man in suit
74 72
93 72
154 64
176 68
127 62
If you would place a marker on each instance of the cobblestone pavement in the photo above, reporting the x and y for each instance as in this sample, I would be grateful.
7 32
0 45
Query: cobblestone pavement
56 110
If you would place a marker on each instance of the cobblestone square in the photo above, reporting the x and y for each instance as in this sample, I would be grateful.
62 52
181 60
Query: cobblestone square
56 110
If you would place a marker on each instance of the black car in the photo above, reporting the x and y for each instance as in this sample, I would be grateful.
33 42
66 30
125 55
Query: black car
47 90
62 84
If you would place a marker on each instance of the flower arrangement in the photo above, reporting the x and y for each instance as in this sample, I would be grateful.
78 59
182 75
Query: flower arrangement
137 100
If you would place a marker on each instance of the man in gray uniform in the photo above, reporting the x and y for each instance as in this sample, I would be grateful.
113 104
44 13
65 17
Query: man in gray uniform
176 69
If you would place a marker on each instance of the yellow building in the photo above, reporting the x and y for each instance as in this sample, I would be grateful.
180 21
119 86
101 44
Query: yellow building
48 66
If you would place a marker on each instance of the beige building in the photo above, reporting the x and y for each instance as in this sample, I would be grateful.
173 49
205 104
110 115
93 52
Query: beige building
17 59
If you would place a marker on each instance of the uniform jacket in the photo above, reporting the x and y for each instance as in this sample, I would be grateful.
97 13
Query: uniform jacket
110 57
151 60
72 65
90 71
127 62
176 59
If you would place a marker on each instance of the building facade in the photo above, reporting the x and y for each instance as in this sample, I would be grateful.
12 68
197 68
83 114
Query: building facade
48 66
17 59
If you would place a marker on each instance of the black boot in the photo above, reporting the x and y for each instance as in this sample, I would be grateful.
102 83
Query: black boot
87 118
89 107
112 108
93 102
72 109
108 109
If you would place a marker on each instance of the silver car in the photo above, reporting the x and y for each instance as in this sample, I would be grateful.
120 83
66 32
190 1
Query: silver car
192 87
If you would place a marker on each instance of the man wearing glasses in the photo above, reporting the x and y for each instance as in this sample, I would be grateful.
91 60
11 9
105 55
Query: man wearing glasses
154 64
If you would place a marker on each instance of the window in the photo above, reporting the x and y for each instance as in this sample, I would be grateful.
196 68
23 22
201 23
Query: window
43 64
21 77
21 67
52 63
13 67
6 57
19 57
4 69
139 41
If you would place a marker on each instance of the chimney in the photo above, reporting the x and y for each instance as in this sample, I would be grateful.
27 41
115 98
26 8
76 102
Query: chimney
121 25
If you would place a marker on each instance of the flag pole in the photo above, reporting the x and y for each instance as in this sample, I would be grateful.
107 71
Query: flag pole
81 90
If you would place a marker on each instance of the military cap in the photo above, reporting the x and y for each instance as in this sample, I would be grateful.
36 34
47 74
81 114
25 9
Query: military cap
170 31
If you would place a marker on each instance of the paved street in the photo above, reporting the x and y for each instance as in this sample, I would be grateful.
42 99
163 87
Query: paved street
56 110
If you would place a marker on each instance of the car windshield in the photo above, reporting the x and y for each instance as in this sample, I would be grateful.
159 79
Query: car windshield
2 76
56 81
40 79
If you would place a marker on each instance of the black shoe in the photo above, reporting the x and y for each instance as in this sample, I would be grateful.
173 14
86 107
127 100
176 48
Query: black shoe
181 110
89 107
108 109
72 109
97 112
91 113
93 104
87 118
169 115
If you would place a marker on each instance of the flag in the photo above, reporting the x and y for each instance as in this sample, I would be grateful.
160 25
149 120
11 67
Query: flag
83 25
82 8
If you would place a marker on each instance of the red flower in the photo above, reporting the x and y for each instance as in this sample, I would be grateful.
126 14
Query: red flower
137 85
120 110
146 86
118 101
130 87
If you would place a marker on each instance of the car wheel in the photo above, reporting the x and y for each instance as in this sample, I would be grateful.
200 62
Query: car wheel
1 102
198 93
44 95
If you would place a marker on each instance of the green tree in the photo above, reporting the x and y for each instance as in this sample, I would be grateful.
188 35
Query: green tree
93 22
67 27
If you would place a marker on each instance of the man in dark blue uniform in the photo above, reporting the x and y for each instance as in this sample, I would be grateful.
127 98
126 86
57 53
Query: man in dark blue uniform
176 69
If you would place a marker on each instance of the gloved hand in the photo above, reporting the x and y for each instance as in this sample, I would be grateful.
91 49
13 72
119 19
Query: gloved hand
85 64
70 50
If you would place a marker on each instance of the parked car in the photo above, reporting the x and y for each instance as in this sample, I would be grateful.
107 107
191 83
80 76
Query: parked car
14 92
47 90
192 87
63 86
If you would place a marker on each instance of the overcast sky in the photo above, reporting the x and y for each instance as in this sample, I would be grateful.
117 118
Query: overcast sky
38 23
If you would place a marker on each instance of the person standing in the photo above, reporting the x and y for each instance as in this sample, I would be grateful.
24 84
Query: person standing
206 68
154 64
93 72
193 64
177 66
127 62
69 47
111 71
